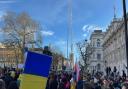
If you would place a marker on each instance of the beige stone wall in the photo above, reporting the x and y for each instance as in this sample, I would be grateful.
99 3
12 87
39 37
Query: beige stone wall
93 60
8 57
114 46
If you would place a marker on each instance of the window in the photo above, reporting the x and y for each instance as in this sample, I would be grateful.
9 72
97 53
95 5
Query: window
98 39
93 44
93 55
98 42
99 56
98 66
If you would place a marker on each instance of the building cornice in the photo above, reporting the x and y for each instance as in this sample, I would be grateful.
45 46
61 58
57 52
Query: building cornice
111 32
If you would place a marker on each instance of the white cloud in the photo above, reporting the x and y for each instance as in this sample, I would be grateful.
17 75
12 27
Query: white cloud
2 13
47 33
85 35
90 28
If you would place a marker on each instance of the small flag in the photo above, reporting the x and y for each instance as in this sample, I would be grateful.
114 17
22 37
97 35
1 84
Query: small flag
36 71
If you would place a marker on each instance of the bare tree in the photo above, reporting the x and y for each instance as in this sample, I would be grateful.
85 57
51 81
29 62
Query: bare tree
19 29
57 57
85 50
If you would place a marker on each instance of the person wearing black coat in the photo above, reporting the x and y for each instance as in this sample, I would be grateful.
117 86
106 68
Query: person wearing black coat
7 78
80 82
13 85
52 82
2 84
124 75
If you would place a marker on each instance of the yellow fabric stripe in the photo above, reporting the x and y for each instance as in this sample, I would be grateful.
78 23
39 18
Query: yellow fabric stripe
33 82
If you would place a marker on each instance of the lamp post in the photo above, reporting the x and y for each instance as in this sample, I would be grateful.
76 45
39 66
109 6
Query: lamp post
126 34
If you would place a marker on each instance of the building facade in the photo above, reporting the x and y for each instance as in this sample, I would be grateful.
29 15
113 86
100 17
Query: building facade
114 45
9 57
96 62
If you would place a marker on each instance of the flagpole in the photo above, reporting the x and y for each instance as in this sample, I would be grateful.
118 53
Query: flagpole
126 34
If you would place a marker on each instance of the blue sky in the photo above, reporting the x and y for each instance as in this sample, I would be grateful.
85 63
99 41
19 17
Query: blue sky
87 16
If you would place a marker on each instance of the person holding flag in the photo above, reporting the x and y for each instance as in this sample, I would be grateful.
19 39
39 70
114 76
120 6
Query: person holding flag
75 77
80 82
76 71
78 76
36 71
73 83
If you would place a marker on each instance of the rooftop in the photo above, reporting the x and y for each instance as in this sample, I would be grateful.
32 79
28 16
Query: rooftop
99 31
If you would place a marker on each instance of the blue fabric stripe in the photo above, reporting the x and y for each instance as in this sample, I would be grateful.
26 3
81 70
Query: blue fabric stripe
37 64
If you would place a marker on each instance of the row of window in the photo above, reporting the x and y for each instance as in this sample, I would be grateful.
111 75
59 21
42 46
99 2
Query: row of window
97 67
97 56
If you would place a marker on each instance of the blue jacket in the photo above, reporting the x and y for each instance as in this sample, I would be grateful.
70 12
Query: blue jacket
80 84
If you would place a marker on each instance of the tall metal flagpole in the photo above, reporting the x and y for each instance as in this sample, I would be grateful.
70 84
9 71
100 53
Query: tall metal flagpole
70 31
69 27
67 41
126 34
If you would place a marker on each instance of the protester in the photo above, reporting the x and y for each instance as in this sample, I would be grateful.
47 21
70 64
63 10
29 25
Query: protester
73 83
125 86
7 77
10 79
87 86
52 82
80 82
124 75
61 84
19 80
13 85
2 84
67 82
105 84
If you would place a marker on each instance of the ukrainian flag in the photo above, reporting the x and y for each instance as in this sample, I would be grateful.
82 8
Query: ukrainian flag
36 71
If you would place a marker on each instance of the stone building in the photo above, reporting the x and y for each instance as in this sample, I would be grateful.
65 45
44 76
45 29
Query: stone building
114 45
96 62
9 57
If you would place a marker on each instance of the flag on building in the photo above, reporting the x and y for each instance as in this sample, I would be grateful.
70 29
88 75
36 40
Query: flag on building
36 71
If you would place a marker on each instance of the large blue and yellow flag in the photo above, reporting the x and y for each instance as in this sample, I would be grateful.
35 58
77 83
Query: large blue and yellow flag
36 71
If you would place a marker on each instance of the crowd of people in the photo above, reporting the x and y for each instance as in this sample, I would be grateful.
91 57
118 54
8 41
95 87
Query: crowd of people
64 81
10 79
98 80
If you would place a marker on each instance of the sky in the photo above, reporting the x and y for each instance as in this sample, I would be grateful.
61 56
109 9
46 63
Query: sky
87 16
